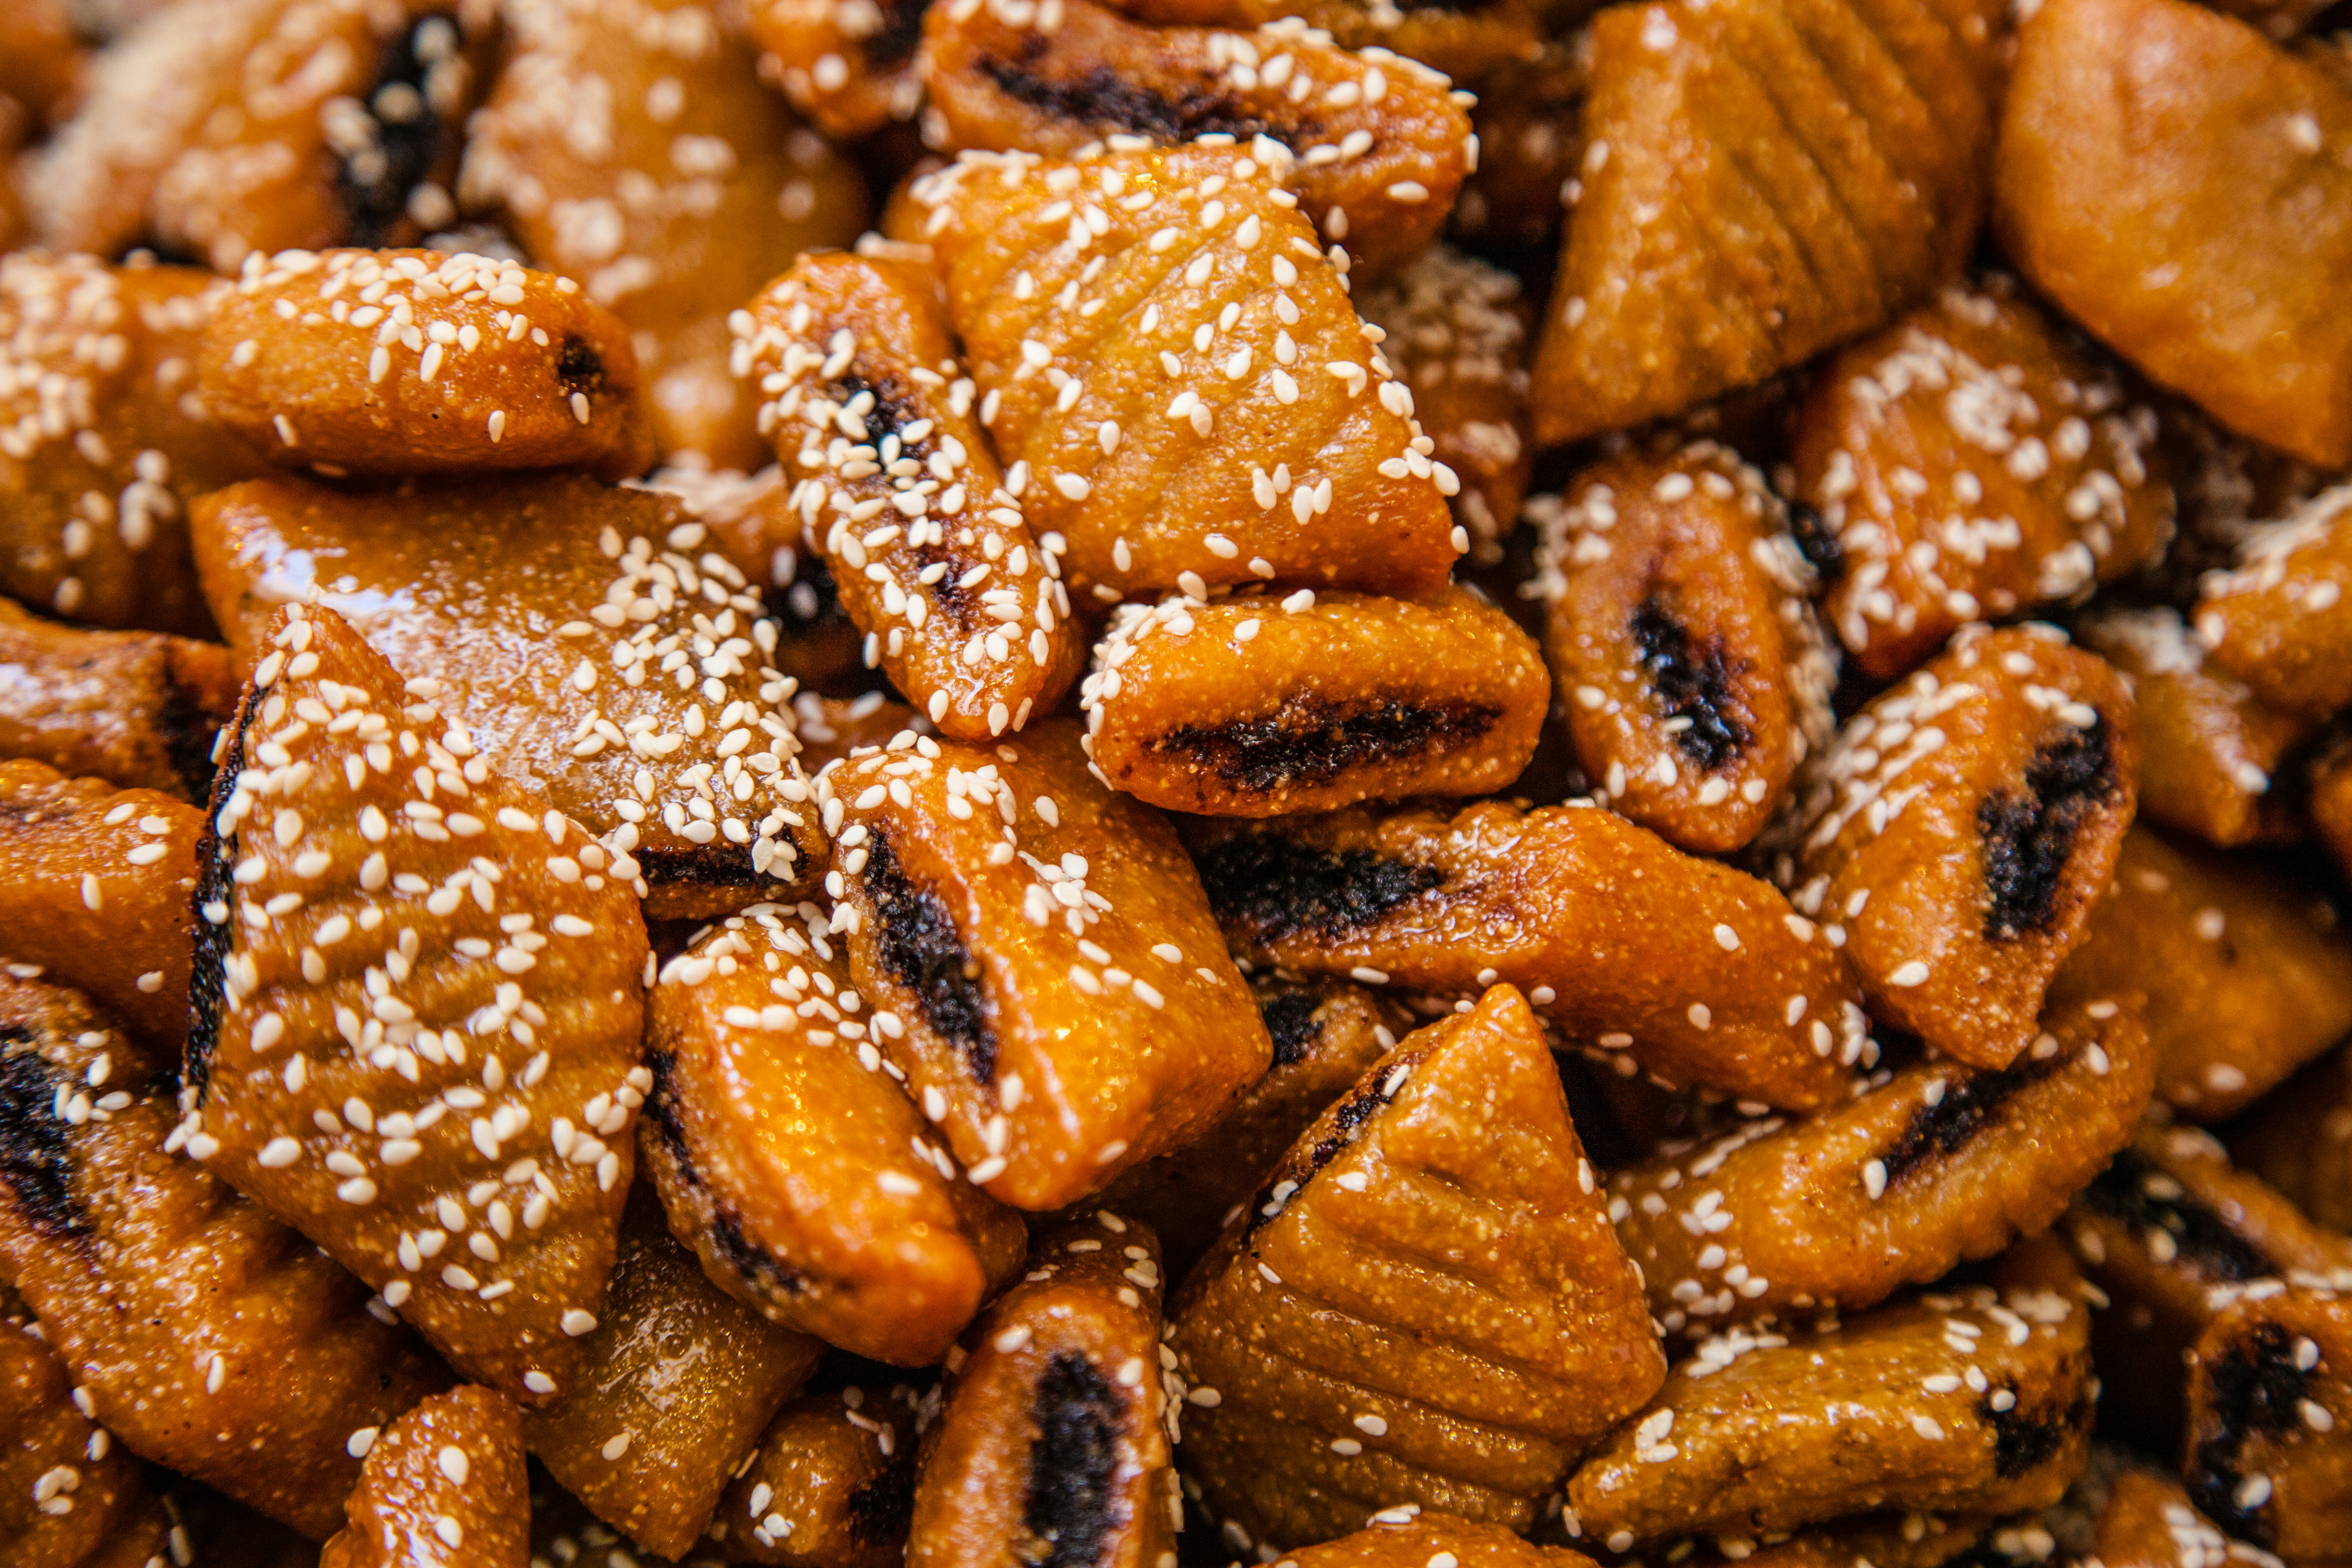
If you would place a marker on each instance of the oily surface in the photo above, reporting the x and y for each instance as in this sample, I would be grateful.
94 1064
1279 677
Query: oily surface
2256 1378
2276 619
830 1485
136 708
443 1484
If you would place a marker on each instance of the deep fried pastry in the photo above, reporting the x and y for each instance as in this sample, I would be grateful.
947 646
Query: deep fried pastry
580 638
2148 1522
1973 462
1946 1403
1426 1303
1379 148
1939 1164
1818 164
2164 177
2252 974
2210 748
698 188
373 950
231 126
103 440
418 361
1693 674
1406 1537
1958 832
1053 1444
848 65
1528 120
442 1485
206 1335
1463 41
69 1495
870 413
674 1386
2278 620
1702 973
138 709
40 61
1187 395
831 729
1326 1035
2268 1408
2301 1142
97 887
1907 1539
1263 705
780 1142
1041 961
832 1484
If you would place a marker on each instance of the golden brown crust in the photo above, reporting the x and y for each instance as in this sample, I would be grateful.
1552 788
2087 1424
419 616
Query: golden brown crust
1465 42
443 1488
40 62
2278 620
2301 1142
136 708
849 68
1528 118
2148 1522
69 1494
1414 1539
830 1485
2269 1418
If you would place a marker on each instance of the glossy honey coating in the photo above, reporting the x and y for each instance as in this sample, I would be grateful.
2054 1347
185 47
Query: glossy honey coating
564 1532
1425 1303
415 1028
2150 1523
674 1386
587 637
870 413
138 709
443 1486
1463 41
848 65
206 1335
1041 961
699 189
2277 619
793 1159
1819 167
2209 749
2269 1418
817 644
1327 1034
1377 146
1933 1166
1267 705
420 361
104 439
1185 394
1957 835
236 126
1407 1537
2250 975
1958 1402
1053 1443
1973 462
1691 671
831 728
69 1494
830 1485
2175 183
1701 973
97 887
1527 118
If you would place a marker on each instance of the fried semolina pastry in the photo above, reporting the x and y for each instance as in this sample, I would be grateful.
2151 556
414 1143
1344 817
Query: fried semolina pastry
1053 1444
2300 1141
674 1386
869 411
1267 704
1821 166
2278 620
1458 338
1423 1304
1862 1540
831 728
140 708
1040 960
104 440
1465 42
420 361
832 1484
224 127
97 887
2212 267
1958 831
411 1038
564 1534
2150 1523
207 1336
669 233
1528 119
1962 1403
69 1495
1381 147
1974 462
1941 1164
1407 1537
576 633
1326 1035
1187 397
848 65
2210 748
443 1485
2268 1408
1693 673
1703 972
2252 974
780 1143
41 61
